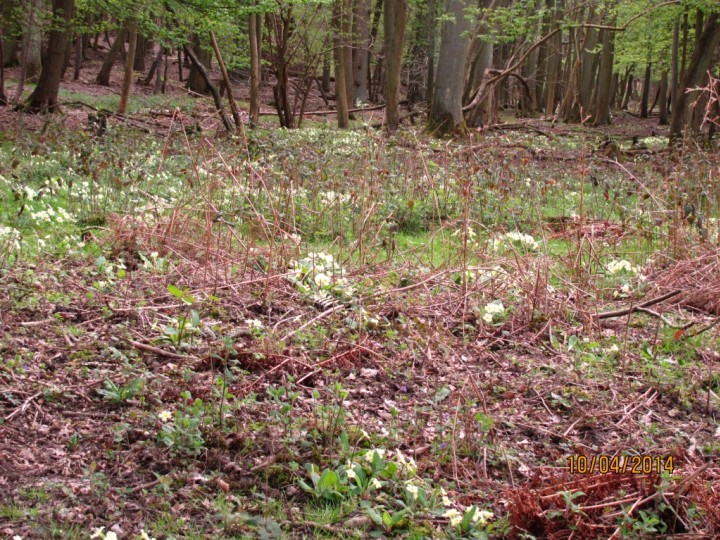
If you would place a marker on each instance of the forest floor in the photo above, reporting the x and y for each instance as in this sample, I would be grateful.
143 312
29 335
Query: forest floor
315 333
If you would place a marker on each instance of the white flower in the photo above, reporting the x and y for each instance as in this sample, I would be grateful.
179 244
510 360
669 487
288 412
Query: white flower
375 483
445 499
496 306
483 516
412 489
369 456
145 535
615 267
111 536
488 318
254 324
614 348
98 533
322 280
165 416
454 516
351 474
17 537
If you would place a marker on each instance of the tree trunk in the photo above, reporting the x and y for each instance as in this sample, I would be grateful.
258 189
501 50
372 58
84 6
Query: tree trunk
325 82
228 83
154 67
552 70
140 53
628 92
431 22
3 97
254 71
103 77
663 97
44 97
196 82
361 33
78 56
32 40
394 29
195 62
446 109
696 71
645 97
675 77
347 39
7 33
340 83
129 63
373 81
604 89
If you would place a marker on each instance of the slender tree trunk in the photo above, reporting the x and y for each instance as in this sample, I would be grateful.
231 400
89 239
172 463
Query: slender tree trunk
325 81
165 71
154 67
196 80
446 109
180 64
44 97
78 56
254 71
431 22
3 97
604 90
699 63
347 38
675 76
140 53
628 92
552 72
361 33
394 28
373 81
32 40
340 92
129 63
7 31
103 78
228 83
663 97
645 97
195 61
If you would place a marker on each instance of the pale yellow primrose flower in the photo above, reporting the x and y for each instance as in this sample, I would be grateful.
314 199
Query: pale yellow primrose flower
454 516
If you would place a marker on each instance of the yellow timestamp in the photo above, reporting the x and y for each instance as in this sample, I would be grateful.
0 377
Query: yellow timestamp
605 464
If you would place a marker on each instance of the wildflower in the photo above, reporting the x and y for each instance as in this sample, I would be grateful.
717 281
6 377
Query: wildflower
614 348
480 516
454 516
165 416
351 474
369 456
111 536
375 483
496 306
322 280
445 499
615 267
254 324
412 489
98 533
488 318
406 463
17 537
145 535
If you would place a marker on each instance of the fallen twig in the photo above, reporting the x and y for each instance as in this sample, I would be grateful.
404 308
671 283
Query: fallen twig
638 307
